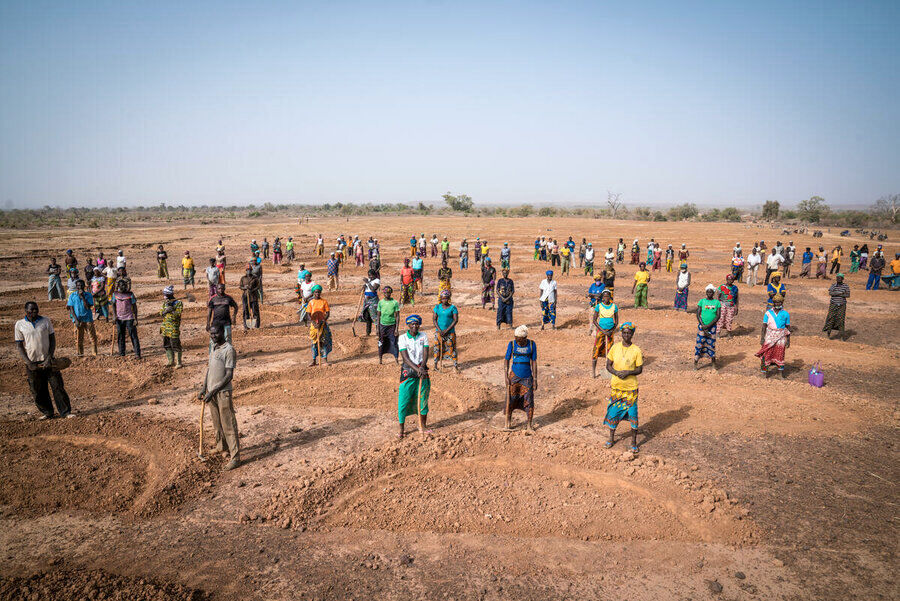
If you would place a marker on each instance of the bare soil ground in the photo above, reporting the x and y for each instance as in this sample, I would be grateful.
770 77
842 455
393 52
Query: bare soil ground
744 488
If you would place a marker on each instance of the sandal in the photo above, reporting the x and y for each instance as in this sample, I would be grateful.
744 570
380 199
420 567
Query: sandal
608 444
634 449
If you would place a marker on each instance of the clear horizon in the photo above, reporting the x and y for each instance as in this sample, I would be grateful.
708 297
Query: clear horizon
717 104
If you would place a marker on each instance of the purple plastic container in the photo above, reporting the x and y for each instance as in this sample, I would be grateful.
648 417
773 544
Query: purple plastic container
816 377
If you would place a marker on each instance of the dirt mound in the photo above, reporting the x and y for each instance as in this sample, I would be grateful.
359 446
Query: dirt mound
514 485
77 585
99 465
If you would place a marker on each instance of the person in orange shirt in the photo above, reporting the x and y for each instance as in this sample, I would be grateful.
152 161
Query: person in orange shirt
319 332
894 284
407 284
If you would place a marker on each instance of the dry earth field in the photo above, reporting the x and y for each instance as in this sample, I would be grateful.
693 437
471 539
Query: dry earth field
745 488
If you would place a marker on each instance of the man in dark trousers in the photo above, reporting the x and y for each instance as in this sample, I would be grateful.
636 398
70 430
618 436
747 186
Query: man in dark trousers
36 344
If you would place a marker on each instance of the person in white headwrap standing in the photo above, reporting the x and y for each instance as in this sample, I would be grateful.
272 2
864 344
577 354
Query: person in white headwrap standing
520 368
170 328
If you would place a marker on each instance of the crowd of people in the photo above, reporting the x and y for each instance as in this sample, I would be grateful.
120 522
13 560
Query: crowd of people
102 289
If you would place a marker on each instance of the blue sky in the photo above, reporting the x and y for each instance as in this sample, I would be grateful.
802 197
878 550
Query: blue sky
717 103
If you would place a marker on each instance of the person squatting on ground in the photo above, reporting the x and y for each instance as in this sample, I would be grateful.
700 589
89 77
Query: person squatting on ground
415 385
36 345
79 305
839 292
506 288
775 337
445 317
520 369
388 312
547 299
709 310
217 393
170 328
605 320
625 362
319 331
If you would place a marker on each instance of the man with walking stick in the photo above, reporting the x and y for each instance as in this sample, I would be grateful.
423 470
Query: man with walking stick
216 391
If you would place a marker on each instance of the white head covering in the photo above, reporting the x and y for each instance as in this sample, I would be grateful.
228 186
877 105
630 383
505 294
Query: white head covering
522 331
710 287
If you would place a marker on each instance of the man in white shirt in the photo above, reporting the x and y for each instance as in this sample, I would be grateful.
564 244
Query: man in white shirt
753 261
36 344
610 256
773 263
548 301
305 295
120 259
412 394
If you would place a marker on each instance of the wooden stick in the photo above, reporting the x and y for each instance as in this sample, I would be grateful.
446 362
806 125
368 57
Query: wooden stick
362 295
200 446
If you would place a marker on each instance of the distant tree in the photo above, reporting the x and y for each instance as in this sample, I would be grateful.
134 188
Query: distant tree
423 208
525 210
461 203
813 209
547 212
887 206
731 214
771 209
683 212
614 201
658 216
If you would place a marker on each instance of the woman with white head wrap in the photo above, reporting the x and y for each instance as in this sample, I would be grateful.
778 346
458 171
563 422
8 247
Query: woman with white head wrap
521 376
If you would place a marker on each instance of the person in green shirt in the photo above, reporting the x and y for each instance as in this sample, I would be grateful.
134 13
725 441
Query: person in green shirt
445 249
708 312
388 314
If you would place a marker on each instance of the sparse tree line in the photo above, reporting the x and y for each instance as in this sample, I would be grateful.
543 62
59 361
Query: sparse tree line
811 211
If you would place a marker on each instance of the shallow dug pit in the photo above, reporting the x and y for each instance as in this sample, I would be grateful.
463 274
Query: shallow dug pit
100 465
77 585
512 485
363 387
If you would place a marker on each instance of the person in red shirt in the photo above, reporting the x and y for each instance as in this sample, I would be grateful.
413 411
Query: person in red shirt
407 284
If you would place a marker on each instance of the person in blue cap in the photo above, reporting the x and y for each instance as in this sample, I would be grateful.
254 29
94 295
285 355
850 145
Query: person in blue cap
412 394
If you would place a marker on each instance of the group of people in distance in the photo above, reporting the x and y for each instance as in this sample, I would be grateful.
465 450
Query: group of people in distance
106 291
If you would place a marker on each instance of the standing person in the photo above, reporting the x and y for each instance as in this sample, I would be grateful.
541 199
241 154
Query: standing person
876 266
257 271
520 370
121 262
595 290
36 345
72 279
775 288
582 249
635 252
290 249
708 314
537 248
222 312
605 320
773 263
625 362
171 327
682 288
359 253
609 280
319 330
822 258
220 262
554 253
864 256
71 260
212 277
788 254
254 247
445 274
650 247
125 309
775 337
488 278
893 281
806 263
388 312
670 258
111 273
332 268
98 291
610 257
369 312
162 269
589 259
88 270
407 284
504 256
754 259
79 305
836 254
217 392
485 250
414 380
187 269
620 251
412 245
728 296
250 298
854 259
548 300
737 266
434 245
276 251
463 254
423 245
506 288
837 308
304 291
418 266
657 257
320 245
684 253
566 254
543 249
122 276
640 287
445 317
54 282
265 249
445 249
